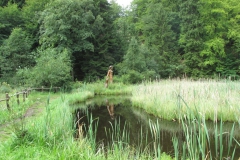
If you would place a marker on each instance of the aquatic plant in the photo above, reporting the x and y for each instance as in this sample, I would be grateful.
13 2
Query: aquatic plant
167 99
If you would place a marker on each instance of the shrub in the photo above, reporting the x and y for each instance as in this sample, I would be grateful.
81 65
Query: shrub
5 88
52 69
133 77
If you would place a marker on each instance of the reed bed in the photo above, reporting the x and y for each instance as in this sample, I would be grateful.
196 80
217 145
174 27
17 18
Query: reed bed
192 103
173 99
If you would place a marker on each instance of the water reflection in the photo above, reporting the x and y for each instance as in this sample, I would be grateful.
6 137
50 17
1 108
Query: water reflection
115 115
110 108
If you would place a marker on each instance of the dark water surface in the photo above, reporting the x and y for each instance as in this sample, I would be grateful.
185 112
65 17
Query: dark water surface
115 114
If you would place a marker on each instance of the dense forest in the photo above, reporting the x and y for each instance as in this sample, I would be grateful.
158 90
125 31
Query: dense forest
55 42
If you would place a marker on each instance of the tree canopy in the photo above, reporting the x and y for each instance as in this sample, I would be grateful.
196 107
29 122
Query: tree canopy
154 38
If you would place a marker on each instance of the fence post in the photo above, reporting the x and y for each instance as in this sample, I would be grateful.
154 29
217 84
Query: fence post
42 88
23 96
26 93
7 101
18 98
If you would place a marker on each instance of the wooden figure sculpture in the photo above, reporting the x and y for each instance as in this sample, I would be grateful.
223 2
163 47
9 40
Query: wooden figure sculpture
109 78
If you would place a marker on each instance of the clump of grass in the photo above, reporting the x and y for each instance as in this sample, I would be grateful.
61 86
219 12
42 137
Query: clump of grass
199 145
16 111
5 87
113 89
78 97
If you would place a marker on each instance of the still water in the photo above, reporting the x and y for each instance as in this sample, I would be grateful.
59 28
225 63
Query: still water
115 116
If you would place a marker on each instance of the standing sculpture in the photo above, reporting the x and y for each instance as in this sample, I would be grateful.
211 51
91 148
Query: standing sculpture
109 78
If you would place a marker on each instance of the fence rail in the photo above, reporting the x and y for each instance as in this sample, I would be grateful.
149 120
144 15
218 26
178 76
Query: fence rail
25 94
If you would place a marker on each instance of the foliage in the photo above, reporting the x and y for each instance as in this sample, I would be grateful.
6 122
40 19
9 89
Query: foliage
214 21
67 23
190 38
84 28
10 17
52 69
134 60
135 63
31 12
133 77
19 3
16 53
197 38
5 88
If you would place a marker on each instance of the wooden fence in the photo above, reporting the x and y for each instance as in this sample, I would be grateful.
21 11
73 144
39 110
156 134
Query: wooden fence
25 94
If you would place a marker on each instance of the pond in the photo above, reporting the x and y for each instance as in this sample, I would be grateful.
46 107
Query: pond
117 120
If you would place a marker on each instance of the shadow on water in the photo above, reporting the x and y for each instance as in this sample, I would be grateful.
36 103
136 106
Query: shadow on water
119 121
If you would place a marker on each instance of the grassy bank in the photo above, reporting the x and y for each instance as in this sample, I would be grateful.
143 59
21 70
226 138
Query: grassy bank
172 99
17 111
50 134
192 103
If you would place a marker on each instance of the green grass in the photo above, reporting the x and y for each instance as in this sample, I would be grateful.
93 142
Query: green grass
50 134
172 99
113 89
191 103
17 111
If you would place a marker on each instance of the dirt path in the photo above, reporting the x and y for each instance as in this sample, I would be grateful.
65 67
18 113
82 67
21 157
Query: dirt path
35 109
30 112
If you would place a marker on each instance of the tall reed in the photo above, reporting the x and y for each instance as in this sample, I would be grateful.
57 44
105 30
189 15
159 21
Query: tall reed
198 141
192 103
156 135
215 100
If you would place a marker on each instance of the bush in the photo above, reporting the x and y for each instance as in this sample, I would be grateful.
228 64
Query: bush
150 74
5 88
52 69
133 77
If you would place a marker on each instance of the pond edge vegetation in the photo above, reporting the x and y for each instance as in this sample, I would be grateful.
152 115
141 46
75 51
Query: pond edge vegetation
50 135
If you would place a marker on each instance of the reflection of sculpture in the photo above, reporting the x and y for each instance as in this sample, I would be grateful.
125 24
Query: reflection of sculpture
109 78
110 108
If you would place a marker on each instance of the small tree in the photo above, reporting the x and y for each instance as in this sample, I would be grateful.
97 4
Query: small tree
52 69
133 60
16 53
138 63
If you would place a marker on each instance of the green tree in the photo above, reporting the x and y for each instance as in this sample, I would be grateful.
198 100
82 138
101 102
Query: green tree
230 65
214 17
118 36
107 47
123 27
135 14
31 12
67 24
86 29
133 60
10 17
134 64
3 3
20 3
52 69
160 39
16 52
191 40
